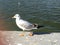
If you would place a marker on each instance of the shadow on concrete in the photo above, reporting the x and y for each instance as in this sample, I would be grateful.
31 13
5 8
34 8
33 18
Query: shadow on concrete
41 33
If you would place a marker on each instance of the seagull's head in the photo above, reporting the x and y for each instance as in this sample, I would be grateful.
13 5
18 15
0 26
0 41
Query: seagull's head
16 16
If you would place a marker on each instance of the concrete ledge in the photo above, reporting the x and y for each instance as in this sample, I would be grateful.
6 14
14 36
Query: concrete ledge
13 38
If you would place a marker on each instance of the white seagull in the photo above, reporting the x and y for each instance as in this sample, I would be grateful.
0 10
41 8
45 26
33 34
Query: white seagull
24 25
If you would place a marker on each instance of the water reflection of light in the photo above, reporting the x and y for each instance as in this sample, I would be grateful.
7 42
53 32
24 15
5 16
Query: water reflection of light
18 3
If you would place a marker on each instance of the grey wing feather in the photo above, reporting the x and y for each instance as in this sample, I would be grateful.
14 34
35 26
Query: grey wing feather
27 26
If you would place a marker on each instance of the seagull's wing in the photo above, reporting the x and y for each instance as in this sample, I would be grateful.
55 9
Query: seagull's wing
26 24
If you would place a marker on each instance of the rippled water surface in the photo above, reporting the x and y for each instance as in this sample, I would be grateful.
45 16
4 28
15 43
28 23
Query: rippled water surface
43 12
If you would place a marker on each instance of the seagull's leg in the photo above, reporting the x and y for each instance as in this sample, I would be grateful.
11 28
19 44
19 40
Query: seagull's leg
22 34
31 34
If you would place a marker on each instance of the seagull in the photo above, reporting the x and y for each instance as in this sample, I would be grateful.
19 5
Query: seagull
25 25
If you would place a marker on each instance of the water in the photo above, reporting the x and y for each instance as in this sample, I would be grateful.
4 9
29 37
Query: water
43 12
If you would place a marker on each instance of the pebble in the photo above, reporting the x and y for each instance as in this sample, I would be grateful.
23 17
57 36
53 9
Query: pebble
11 37
9 44
19 44
55 41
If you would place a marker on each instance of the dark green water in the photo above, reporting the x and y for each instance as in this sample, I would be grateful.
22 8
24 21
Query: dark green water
43 12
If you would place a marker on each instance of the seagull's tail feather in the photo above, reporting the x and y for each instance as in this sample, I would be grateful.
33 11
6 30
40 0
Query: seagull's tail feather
37 26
